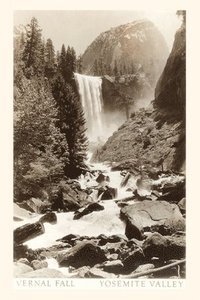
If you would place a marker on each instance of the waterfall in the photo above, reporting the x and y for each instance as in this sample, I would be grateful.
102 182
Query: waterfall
90 91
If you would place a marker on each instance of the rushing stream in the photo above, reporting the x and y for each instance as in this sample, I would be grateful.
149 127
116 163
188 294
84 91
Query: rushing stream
106 222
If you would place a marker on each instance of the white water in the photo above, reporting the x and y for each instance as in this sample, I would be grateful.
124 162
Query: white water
106 222
91 97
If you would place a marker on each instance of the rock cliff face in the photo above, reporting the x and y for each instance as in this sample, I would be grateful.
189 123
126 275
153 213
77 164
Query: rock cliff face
155 137
137 45
170 91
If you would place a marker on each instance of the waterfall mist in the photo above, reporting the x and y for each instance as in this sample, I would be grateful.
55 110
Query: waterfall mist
100 124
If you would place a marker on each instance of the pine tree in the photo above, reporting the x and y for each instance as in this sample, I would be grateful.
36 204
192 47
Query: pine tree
62 62
40 150
70 65
49 59
32 54
79 64
72 124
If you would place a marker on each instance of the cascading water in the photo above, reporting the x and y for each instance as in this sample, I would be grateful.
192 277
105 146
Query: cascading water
90 91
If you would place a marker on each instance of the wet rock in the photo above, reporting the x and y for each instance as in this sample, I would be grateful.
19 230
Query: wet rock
37 264
97 273
27 232
182 205
173 192
43 273
176 248
89 209
103 240
155 245
144 186
54 250
164 247
22 251
35 205
83 254
115 266
113 256
114 247
108 193
133 260
102 178
24 261
70 238
20 213
80 272
49 217
150 216
21 268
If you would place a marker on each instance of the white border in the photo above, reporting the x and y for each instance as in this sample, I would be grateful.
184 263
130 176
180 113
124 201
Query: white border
6 280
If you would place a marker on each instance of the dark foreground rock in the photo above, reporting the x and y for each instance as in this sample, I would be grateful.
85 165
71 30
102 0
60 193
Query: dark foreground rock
173 192
164 247
89 209
159 216
107 193
27 232
22 251
83 254
49 217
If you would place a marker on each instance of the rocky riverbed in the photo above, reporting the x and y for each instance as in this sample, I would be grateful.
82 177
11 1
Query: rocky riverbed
129 226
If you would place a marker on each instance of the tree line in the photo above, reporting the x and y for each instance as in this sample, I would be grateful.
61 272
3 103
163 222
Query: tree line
49 126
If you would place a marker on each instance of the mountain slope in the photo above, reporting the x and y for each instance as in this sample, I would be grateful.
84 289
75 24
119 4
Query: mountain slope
155 137
138 44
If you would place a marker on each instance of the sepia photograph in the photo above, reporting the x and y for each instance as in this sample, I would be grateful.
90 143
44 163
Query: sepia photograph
99 118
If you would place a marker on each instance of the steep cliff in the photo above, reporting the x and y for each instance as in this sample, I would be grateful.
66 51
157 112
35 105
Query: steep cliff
155 137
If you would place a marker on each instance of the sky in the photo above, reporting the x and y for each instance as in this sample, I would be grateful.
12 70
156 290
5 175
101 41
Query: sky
79 28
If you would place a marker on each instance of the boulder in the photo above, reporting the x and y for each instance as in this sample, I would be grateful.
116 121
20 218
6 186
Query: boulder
21 213
39 264
83 254
49 217
22 251
101 178
173 192
69 238
133 260
113 256
182 205
43 273
155 245
103 239
114 266
35 205
144 186
21 268
24 261
74 198
97 273
152 216
107 193
89 209
164 247
112 248
27 232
